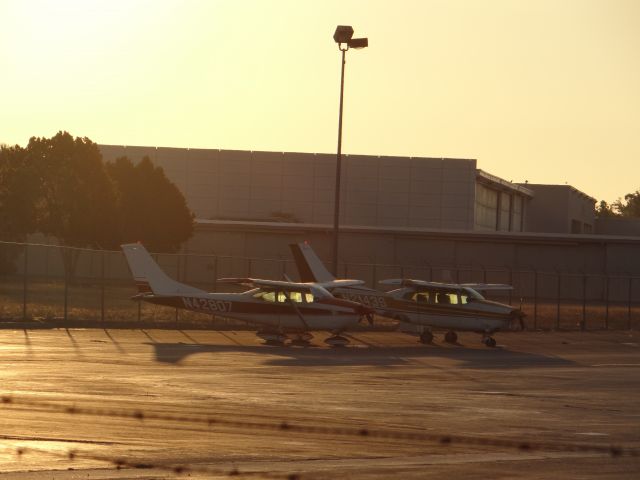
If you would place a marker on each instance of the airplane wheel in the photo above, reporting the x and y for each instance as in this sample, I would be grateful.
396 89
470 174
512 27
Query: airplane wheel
451 337
337 341
490 342
426 337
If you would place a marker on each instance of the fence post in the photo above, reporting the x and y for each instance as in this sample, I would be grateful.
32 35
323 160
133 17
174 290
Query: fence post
558 301
214 269
583 324
375 276
102 287
629 304
535 299
66 285
606 302
25 282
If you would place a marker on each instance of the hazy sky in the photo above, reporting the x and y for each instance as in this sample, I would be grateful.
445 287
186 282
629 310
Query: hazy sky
541 90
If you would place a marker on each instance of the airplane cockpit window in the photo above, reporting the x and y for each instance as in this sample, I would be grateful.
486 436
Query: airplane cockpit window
443 298
300 297
295 297
447 298
284 297
266 296
422 297
472 294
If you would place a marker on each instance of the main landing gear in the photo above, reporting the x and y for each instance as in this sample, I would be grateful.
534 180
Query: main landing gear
337 340
451 337
489 341
426 336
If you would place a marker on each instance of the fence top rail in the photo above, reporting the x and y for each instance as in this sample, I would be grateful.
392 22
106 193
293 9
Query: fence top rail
424 266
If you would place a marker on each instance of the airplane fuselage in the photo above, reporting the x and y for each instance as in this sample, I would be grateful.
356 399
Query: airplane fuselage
477 315
251 307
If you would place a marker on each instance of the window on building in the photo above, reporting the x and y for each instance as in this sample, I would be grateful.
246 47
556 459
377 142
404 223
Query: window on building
486 208
505 211
587 228
516 221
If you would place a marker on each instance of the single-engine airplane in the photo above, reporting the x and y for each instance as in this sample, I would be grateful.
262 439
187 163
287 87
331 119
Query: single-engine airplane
280 307
430 304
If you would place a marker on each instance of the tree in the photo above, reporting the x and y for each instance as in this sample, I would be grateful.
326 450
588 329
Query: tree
76 198
19 194
631 205
604 210
150 208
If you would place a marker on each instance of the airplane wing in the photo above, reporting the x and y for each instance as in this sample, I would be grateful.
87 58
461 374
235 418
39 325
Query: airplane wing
341 283
481 287
315 289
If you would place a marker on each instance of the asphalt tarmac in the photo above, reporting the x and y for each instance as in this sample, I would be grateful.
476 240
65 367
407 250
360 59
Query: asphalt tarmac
215 403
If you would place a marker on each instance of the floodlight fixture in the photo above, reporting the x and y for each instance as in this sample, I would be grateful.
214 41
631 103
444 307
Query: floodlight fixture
343 33
358 43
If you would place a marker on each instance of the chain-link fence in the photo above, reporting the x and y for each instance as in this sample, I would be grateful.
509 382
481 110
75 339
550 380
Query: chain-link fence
95 288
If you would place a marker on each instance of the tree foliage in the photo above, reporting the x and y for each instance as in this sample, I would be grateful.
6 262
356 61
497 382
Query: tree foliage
151 209
604 210
61 187
631 205
19 194
77 198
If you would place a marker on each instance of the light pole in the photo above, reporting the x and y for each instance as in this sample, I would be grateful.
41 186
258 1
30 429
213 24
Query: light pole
342 37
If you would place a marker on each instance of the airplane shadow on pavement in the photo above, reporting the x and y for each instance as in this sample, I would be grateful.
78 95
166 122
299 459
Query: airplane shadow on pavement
311 356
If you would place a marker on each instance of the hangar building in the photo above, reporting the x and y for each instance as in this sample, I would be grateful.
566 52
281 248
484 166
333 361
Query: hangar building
377 191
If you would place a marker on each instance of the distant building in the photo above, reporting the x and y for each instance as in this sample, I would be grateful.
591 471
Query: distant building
385 192
560 209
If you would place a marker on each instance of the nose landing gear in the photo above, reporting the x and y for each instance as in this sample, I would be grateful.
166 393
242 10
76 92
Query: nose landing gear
426 336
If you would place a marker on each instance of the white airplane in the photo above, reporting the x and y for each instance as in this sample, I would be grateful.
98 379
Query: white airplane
429 304
279 307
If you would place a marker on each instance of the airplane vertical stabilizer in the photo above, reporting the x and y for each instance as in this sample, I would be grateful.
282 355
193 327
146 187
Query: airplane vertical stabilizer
310 267
149 276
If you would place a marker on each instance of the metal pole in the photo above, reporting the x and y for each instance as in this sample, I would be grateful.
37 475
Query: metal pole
629 305
102 287
558 304
535 299
583 325
606 302
25 282
336 214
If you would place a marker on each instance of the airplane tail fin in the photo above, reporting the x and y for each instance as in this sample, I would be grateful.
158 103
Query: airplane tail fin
310 267
148 275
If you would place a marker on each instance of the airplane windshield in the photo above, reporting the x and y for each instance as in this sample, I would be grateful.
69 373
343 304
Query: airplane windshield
281 297
441 296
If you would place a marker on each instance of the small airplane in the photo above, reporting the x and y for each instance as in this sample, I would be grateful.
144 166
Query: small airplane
430 304
280 307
